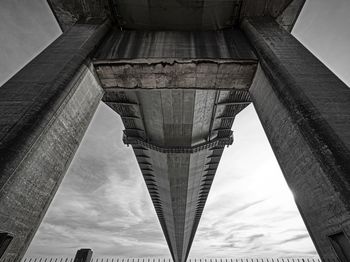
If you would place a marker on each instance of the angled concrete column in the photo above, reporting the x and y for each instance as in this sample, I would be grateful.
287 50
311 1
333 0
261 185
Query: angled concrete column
305 111
44 111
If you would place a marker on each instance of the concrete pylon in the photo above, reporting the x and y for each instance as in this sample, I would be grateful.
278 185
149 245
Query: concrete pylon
305 111
44 111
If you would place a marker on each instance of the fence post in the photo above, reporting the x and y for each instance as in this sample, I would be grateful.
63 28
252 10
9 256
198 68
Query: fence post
83 255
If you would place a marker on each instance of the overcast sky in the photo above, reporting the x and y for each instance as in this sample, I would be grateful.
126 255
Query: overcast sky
103 203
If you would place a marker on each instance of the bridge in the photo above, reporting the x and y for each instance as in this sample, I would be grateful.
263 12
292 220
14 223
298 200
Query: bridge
177 72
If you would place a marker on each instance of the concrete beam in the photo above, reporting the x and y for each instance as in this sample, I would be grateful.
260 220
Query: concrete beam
209 74
176 60
44 111
305 111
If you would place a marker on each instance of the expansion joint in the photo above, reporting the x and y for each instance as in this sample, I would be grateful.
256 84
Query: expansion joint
217 142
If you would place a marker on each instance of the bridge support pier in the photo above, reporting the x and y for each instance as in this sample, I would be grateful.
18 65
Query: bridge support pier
44 111
305 111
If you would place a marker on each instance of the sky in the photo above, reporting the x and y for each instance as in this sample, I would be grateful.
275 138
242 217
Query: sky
103 202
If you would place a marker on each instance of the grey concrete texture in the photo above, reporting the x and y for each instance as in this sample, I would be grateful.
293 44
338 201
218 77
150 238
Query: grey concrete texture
305 111
290 14
28 193
172 59
69 12
180 15
157 15
30 99
179 182
170 120
136 44
177 74
45 110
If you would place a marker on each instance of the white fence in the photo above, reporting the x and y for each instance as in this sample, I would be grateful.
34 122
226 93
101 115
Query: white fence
111 259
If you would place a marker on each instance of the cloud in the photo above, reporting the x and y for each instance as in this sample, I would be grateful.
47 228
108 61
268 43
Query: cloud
242 208
26 28
252 238
315 28
249 209
295 238
103 202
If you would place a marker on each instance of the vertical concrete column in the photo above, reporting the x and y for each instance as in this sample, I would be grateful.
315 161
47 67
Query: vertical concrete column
83 255
44 111
305 111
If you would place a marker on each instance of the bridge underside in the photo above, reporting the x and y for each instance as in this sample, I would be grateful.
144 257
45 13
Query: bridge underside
182 15
177 94
177 72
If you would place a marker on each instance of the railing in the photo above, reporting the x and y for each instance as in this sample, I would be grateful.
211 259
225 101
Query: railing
114 259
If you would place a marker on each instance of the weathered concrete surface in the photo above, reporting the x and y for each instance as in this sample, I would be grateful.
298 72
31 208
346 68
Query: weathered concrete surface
178 134
135 44
200 14
165 14
173 59
290 14
177 178
44 111
176 74
305 111
68 12
181 15
31 98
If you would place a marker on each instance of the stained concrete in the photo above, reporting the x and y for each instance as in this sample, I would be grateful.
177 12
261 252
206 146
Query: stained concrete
305 111
183 15
290 14
137 44
172 59
177 131
176 74
173 122
69 12
164 14
45 110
